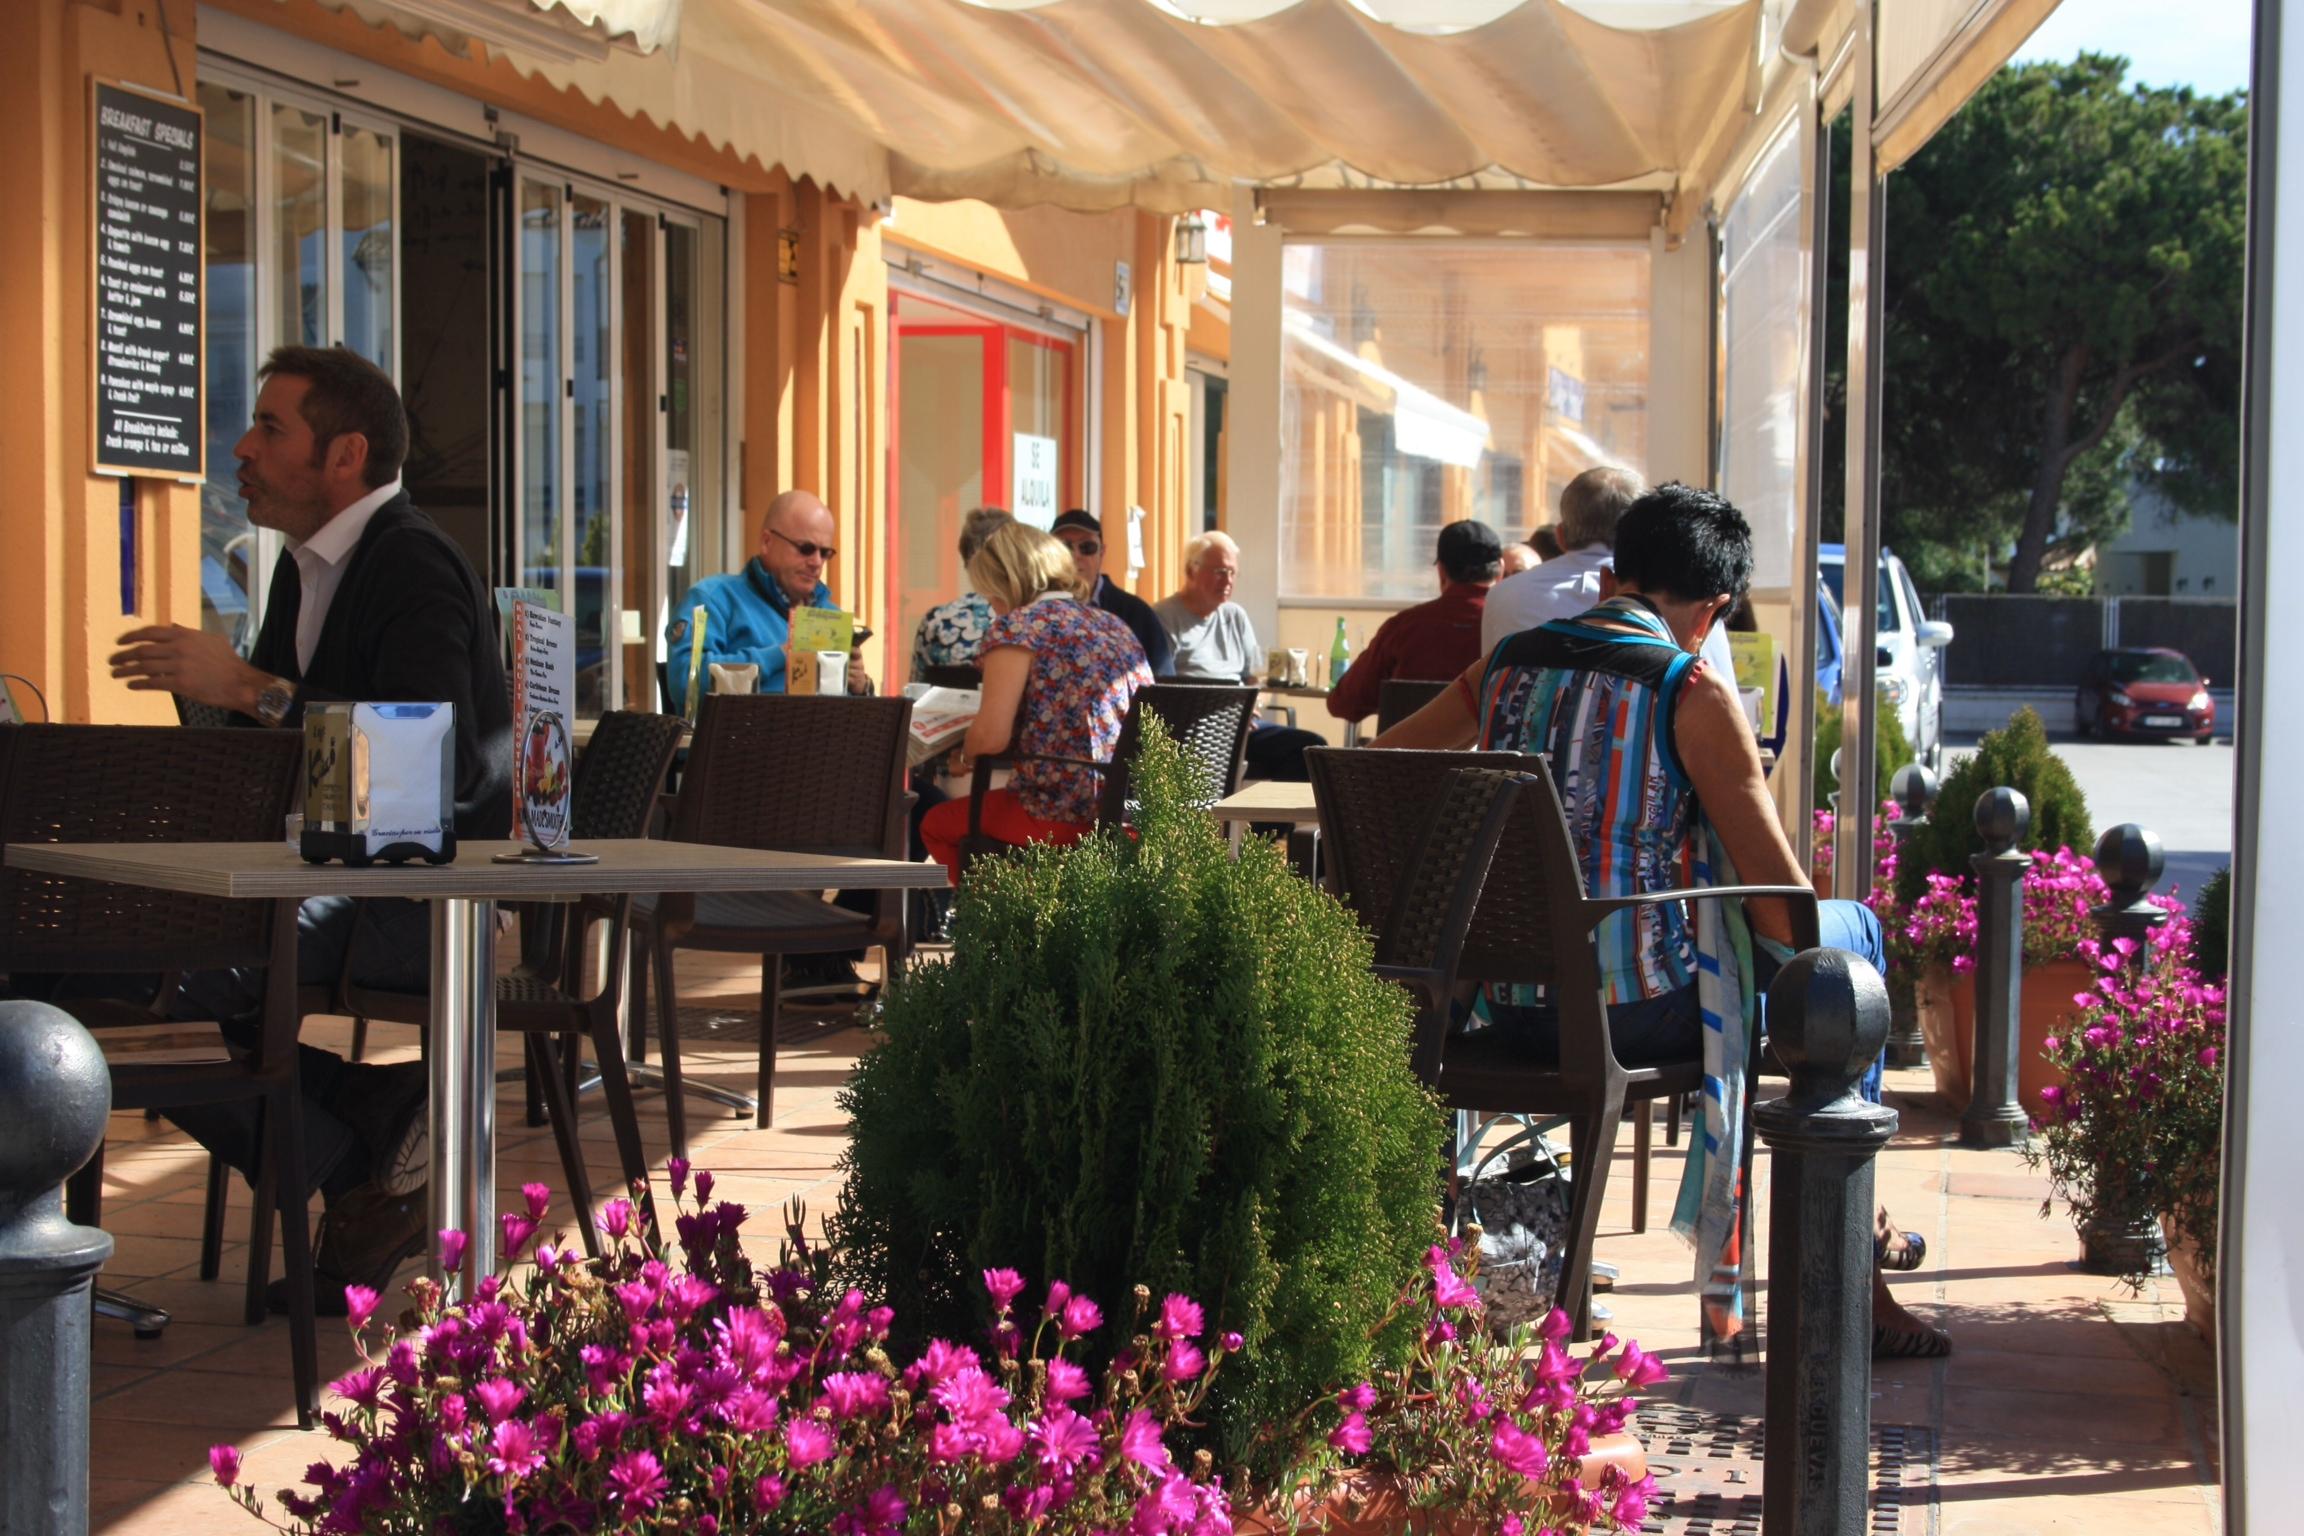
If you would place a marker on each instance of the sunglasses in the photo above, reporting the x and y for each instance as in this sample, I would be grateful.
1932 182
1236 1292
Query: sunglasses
808 549
1082 546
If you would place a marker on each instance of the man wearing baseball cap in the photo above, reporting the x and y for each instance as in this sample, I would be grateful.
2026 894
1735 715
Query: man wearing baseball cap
1082 534
1438 639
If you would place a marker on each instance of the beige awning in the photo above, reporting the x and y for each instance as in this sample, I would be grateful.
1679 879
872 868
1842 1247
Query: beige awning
1095 104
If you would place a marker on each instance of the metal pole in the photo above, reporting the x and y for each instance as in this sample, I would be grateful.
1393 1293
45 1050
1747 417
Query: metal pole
1860 609
1993 1117
1827 1017
1914 791
57 1092
463 1111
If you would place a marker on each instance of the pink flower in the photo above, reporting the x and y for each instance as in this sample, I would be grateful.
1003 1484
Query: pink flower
452 1245
881 1514
1449 1289
615 1220
224 1461
499 1399
1636 1368
1184 1362
362 1388
1080 1317
703 1185
853 1394
637 1481
1140 1442
677 1170
1066 1382
513 1452
518 1227
1180 1318
359 1306
1516 1450
1351 1436
807 1442
539 1198
1357 1399
1232 1343
768 1492
1061 1439
1631 1507
1058 1294
1005 1285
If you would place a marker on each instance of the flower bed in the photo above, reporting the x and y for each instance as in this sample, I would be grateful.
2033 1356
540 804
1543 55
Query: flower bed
658 1391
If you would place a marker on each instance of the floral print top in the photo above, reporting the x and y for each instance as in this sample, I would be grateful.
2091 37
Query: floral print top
951 634
1086 667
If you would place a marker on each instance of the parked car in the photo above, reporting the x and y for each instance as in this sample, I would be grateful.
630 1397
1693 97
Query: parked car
2143 691
1909 665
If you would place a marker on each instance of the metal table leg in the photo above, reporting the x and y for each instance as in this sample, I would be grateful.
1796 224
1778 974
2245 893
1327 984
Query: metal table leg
463 1111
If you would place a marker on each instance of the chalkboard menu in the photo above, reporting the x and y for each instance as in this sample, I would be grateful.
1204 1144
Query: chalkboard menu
146 320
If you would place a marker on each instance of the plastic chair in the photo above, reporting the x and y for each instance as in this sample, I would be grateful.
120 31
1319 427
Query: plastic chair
1399 697
165 784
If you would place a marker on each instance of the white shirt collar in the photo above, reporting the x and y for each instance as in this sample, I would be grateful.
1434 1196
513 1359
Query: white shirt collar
340 535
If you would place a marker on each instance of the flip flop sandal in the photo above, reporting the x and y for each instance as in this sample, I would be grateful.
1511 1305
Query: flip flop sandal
1911 1256
1923 1343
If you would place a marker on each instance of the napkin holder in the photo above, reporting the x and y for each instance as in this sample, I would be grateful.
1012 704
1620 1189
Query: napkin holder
379 783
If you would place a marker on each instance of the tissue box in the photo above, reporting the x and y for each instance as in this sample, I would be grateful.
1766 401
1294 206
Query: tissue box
379 783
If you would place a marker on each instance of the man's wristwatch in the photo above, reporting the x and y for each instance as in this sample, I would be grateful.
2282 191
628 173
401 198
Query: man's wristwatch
277 697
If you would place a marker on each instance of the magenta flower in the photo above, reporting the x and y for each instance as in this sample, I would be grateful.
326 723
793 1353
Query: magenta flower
1184 1362
363 1388
615 1220
1140 1442
224 1461
513 1452
452 1245
539 1199
853 1394
359 1306
677 1170
518 1227
881 1514
1357 1399
1233 1343
1637 1369
1631 1507
1080 1317
1066 1382
703 1185
1005 1285
768 1492
807 1442
1516 1450
1061 1439
1449 1288
1351 1436
1180 1318
637 1481
499 1399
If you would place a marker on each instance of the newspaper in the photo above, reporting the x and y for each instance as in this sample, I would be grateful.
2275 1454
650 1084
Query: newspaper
940 718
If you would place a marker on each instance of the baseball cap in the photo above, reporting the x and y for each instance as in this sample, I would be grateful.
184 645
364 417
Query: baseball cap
1469 543
1076 518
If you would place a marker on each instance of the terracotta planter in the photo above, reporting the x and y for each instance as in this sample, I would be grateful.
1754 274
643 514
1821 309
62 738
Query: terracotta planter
1946 1007
1373 1506
2048 1010
2199 1291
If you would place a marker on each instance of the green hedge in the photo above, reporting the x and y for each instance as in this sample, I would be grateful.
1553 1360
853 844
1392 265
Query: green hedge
1891 748
2019 757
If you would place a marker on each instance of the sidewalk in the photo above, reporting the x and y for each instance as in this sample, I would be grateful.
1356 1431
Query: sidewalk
2067 1406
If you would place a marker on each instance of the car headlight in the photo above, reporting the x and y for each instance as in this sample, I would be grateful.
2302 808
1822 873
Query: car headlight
2200 700
2119 698
1895 690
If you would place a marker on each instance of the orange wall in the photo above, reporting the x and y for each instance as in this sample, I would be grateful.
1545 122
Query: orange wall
59 522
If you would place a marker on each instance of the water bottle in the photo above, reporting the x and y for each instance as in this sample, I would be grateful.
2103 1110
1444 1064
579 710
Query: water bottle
1339 654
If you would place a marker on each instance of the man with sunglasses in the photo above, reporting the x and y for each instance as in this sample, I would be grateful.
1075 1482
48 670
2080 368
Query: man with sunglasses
749 614
1084 536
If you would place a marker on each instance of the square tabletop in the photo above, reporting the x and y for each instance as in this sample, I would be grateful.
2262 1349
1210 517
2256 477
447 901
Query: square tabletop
274 871
1269 800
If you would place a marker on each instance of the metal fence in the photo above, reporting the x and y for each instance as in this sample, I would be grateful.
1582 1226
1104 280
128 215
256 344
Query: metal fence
2004 641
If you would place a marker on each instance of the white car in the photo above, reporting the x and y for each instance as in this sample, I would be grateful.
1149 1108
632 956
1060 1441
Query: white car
1910 661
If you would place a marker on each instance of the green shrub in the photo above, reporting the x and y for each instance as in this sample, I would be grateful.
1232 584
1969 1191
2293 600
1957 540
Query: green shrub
2019 757
2212 925
1148 1064
1891 748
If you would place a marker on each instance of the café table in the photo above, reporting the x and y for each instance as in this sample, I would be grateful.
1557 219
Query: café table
1267 800
463 896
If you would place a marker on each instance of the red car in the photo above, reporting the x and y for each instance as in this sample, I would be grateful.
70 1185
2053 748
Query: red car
2142 692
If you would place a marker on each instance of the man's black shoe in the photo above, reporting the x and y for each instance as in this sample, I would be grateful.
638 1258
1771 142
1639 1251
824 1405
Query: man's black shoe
821 976
367 1234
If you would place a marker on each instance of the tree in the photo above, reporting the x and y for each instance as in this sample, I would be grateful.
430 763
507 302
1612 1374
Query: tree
2062 305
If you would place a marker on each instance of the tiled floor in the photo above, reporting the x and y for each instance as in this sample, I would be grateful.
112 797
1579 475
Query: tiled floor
2068 1405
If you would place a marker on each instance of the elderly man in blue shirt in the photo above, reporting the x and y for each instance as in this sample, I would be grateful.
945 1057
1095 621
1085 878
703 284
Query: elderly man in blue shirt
750 612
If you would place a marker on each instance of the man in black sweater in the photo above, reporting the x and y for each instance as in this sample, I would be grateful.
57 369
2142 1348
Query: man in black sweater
374 604
1080 532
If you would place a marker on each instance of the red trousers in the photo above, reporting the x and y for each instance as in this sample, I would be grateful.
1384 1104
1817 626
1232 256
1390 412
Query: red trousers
945 825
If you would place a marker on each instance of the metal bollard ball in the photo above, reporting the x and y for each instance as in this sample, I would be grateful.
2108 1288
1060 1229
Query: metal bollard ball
2003 817
1914 791
52 1075
1827 1019
2131 861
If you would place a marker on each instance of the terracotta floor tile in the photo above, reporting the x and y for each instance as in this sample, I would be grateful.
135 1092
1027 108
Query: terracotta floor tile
222 1400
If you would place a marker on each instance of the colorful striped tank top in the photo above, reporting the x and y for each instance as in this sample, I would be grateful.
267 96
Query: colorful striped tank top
1596 694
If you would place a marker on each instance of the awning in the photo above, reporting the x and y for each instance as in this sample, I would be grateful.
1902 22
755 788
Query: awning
1097 104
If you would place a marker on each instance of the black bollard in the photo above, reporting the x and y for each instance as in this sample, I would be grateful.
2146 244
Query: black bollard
2131 861
57 1092
1993 1117
1913 789
1827 1016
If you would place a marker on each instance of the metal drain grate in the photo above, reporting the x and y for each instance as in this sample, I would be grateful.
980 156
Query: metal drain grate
1707 1469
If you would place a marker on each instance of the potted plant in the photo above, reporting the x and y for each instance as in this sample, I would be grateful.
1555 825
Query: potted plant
2134 1133
1935 942
2017 756
1148 1063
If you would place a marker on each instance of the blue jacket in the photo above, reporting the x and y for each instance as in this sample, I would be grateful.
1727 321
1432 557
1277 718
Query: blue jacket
750 620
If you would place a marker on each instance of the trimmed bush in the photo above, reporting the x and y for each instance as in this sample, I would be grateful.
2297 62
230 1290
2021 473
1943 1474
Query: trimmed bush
1891 748
1148 1064
2212 926
2019 757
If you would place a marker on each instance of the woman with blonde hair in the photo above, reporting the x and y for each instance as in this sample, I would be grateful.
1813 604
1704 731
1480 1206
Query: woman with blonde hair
1058 678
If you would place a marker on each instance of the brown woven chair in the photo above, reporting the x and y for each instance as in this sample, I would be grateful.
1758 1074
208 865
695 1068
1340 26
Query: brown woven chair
550 999
145 784
1399 697
797 775
1208 720
1531 923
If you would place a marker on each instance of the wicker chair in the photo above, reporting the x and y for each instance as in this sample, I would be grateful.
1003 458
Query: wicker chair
549 1001
1399 697
799 775
1532 923
132 784
1209 721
